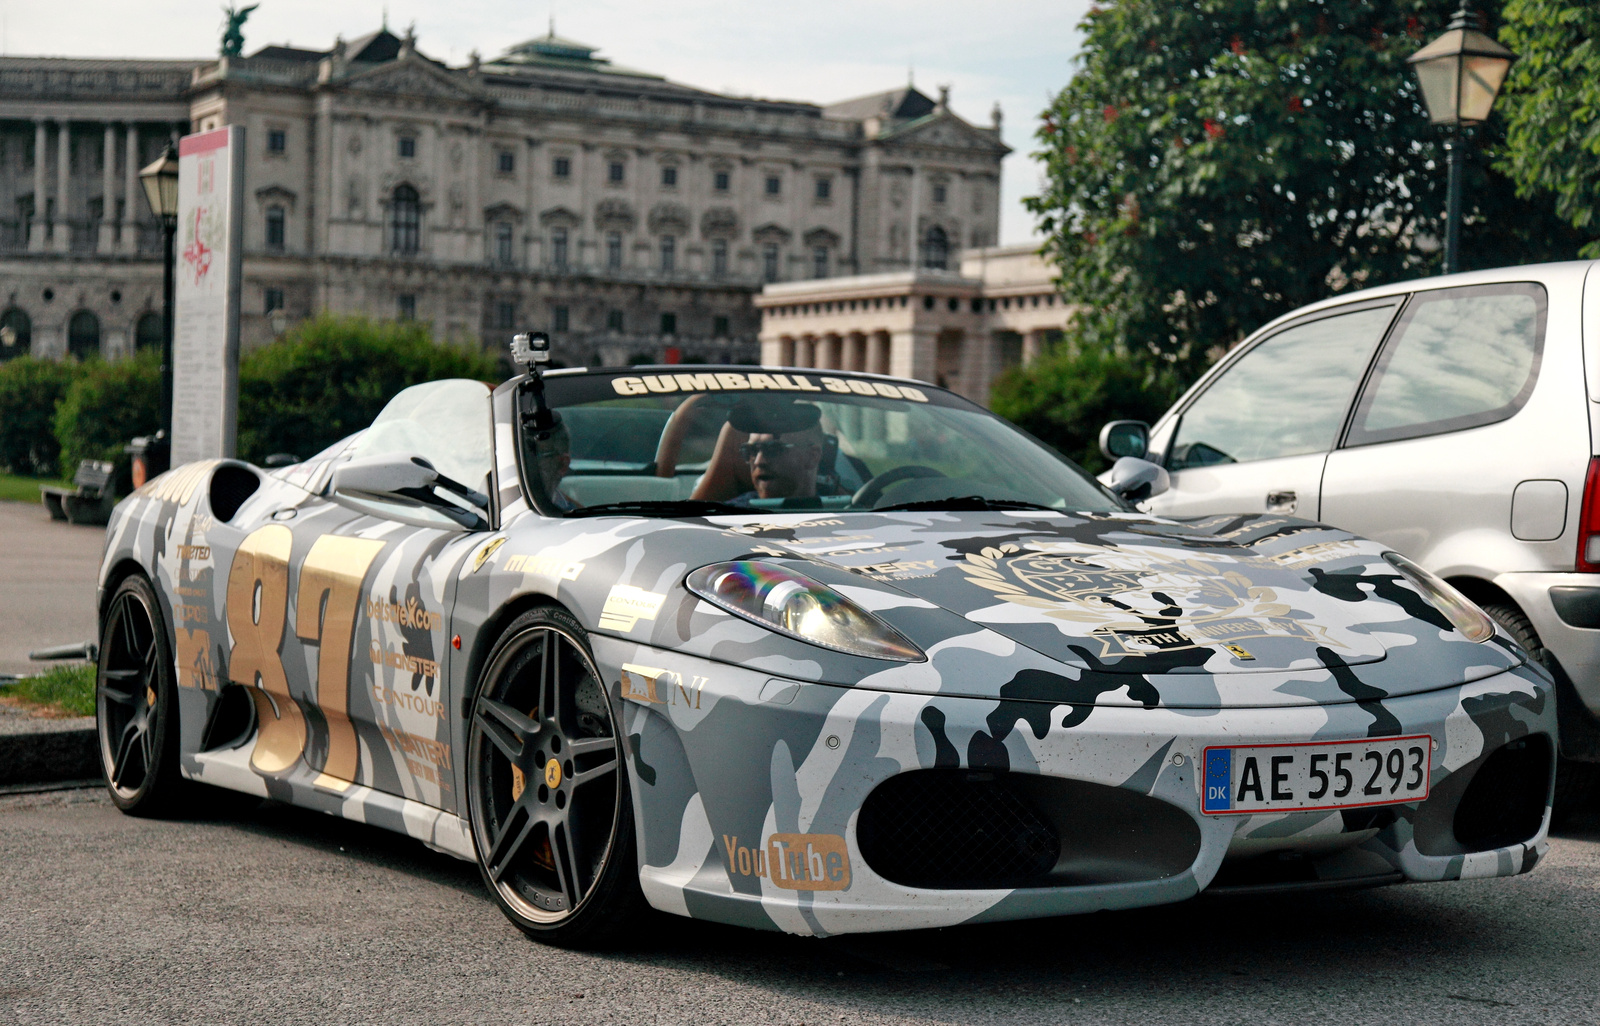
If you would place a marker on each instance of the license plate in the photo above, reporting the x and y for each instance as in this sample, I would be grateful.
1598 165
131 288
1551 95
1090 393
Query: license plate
1306 777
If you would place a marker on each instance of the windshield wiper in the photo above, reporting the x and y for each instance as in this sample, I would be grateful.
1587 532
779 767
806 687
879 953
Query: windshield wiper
963 504
662 508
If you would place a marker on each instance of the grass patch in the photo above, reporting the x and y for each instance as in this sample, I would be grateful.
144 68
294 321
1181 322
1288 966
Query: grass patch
61 689
16 488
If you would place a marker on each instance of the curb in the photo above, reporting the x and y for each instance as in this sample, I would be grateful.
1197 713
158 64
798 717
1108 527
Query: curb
49 756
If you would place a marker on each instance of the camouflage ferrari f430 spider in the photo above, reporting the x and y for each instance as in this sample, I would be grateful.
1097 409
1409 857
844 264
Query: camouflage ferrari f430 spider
802 650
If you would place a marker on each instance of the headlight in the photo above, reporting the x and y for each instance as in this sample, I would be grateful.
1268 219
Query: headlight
1461 611
791 603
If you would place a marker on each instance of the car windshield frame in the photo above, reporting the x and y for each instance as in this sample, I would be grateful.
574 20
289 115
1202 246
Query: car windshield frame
576 387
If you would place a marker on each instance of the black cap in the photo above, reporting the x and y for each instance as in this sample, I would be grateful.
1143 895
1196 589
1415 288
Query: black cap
773 417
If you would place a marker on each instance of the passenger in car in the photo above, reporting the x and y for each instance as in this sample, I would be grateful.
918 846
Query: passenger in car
551 461
783 451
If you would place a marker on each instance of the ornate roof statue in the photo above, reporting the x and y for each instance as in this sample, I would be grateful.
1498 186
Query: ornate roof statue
232 36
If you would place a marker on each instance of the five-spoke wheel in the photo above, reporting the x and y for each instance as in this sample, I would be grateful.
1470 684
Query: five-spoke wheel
547 792
135 701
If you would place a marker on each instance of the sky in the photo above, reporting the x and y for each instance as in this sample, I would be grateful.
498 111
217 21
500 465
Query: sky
1015 52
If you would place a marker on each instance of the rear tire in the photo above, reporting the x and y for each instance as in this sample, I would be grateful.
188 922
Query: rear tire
547 787
1576 782
136 704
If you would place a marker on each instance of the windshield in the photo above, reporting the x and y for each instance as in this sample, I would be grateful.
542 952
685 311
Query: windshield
706 442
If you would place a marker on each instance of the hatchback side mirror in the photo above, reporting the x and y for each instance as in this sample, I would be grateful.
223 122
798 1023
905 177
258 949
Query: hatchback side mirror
1135 479
1125 438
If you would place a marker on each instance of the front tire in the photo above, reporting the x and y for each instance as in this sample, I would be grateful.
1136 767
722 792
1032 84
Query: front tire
547 791
136 704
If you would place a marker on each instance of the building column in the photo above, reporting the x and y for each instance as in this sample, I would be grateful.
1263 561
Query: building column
913 354
131 200
831 358
855 352
805 351
61 230
38 226
1032 347
785 352
878 352
107 240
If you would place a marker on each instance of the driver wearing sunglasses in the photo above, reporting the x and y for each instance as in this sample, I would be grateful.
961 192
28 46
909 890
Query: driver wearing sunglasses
783 450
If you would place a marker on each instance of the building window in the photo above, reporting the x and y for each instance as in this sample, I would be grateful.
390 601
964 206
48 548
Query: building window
940 192
506 162
719 326
669 177
406 306
558 247
721 181
669 324
275 228
408 146
405 212
824 188
504 244
616 172
769 261
819 262
277 140
719 258
774 185
614 251
561 167
16 333
559 319
505 315
669 253
936 248
613 320
274 300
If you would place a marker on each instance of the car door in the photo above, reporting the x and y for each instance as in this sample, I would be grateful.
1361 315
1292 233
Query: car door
1255 439
369 610
1464 418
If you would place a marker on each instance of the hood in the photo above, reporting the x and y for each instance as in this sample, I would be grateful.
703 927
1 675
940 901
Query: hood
1222 610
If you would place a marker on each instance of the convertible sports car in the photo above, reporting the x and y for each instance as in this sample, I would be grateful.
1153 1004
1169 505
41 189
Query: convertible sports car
812 651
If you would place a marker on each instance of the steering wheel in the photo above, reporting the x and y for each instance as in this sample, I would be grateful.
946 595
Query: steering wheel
869 494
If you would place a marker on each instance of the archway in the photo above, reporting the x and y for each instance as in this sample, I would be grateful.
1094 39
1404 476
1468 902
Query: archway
16 334
83 335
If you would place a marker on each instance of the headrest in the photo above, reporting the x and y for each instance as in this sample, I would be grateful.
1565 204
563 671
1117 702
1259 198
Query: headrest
763 416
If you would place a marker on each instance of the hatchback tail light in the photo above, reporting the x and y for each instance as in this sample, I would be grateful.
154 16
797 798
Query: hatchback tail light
1589 521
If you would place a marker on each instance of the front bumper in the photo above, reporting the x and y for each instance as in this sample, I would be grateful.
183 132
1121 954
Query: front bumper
748 794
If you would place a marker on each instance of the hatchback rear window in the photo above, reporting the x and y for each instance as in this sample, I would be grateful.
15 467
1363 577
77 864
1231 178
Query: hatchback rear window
1458 358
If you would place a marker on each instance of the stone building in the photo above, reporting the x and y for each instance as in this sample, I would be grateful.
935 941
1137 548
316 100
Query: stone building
633 217
959 328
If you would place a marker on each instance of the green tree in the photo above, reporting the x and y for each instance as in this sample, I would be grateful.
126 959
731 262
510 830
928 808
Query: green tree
1215 163
1552 108
107 405
1065 396
331 375
30 388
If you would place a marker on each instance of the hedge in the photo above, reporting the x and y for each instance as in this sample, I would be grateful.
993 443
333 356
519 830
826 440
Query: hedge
108 404
30 388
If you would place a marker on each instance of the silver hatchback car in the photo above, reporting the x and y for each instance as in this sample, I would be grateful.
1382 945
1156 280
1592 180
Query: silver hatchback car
1456 419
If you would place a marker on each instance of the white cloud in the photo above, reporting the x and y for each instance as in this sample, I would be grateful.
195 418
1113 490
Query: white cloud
1016 52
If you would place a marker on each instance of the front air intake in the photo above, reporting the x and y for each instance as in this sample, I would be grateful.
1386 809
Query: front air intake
1505 802
966 829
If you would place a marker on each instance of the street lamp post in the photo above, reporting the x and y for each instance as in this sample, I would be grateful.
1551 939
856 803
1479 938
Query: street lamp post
1460 73
160 181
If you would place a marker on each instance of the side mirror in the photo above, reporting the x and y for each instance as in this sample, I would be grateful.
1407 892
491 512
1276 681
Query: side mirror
1125 438
411 480
1135 479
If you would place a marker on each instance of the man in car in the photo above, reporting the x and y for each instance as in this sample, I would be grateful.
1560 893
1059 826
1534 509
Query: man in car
783 451
552 459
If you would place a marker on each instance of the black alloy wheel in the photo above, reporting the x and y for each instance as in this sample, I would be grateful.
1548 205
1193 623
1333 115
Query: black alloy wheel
547 790
136 703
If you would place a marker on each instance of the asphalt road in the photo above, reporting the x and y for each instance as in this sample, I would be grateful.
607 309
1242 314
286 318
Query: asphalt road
47 576
269 914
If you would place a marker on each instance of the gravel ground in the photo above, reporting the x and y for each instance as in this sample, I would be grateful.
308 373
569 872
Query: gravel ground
266 914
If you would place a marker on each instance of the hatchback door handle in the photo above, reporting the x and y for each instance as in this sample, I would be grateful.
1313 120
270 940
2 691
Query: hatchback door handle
1281 502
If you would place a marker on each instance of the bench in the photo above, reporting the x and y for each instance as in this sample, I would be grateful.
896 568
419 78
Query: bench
90 501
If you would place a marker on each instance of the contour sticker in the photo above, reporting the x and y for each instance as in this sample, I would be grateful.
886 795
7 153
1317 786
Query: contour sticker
626 606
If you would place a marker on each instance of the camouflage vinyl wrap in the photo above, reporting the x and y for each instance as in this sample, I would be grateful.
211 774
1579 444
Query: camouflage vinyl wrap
1105 652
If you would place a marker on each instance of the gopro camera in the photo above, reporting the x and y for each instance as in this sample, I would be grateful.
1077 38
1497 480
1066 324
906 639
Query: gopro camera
531 349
